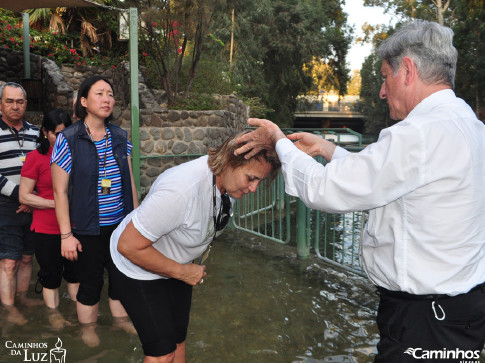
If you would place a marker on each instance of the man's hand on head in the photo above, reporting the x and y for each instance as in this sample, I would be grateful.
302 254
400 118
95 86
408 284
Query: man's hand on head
263 138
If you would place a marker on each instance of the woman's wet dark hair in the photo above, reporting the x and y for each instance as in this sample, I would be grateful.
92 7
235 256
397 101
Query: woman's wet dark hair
83 91
52 119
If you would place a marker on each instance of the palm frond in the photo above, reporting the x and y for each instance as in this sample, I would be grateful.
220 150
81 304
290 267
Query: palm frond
56 24
89 30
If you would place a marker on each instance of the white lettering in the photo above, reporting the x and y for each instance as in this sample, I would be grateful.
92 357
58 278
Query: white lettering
419 353
35 357
11 345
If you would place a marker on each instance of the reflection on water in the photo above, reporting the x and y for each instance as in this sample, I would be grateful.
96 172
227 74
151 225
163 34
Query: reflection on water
251 308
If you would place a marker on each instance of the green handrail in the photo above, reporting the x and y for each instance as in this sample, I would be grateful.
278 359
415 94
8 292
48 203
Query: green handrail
272 214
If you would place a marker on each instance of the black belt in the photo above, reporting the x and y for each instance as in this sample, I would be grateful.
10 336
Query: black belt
407 296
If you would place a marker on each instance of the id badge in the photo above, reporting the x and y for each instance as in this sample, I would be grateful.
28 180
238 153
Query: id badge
105 186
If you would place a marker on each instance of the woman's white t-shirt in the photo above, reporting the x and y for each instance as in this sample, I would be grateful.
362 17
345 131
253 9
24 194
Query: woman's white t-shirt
176 215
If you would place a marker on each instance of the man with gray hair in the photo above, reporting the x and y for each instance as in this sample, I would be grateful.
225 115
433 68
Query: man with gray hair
17 138
423 184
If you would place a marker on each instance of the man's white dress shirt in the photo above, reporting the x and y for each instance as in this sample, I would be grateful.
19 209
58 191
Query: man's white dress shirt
423 183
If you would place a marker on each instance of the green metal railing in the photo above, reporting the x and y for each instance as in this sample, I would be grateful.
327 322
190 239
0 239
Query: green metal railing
272 214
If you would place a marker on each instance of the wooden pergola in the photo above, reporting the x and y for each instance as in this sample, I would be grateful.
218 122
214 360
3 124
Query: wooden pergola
21 5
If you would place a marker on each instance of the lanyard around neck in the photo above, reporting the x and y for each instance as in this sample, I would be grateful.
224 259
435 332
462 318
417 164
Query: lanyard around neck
214 205
15 134
214 208
105 145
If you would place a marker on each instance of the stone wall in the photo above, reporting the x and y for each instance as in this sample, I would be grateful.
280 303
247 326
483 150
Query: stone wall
167 137
45 78
12 65
177 133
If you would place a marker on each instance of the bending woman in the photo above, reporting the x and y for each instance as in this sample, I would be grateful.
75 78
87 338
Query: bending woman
153 249
36 191
93 190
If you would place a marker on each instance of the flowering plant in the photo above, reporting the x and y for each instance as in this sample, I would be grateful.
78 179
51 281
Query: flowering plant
52 45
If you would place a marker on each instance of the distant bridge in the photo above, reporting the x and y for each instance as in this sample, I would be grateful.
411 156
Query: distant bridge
318 112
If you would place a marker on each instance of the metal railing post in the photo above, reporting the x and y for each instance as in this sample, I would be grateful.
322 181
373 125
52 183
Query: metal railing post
134 100
26 31
302 247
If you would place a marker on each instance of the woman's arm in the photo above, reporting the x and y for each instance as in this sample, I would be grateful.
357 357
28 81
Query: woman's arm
28 197
139 250
69 244
133 186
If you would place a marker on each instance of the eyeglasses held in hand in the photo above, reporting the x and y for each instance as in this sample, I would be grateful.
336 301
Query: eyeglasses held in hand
225 212
221 222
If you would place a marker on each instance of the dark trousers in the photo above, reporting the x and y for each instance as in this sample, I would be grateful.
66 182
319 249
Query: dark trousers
433 328
92 262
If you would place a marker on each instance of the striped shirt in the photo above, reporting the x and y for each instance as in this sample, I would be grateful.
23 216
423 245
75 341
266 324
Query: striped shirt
14 146
111 209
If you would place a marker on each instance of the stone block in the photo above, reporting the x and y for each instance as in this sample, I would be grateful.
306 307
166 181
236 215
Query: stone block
185 115
160 147
203 121
156 121
145 181
179 148
147 146
168 133
144 134
173 116
216 120
198 134
157 162
116 113
152 172
187 134
146 120
155 132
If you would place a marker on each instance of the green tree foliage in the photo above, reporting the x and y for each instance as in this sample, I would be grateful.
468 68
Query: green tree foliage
433 10
353 87
375 109
466 18
470 42
274 39
172 40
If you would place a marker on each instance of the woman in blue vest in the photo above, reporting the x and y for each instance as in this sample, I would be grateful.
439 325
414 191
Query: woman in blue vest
93 191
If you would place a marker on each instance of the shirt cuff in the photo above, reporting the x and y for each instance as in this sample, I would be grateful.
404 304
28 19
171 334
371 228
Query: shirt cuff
283 146
339 152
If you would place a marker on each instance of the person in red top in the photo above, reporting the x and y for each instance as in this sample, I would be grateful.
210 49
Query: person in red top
36 191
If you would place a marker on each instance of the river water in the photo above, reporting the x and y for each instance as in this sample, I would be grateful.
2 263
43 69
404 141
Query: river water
259 303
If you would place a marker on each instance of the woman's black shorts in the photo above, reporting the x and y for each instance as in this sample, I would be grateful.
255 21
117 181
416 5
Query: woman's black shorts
53 267
159 310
